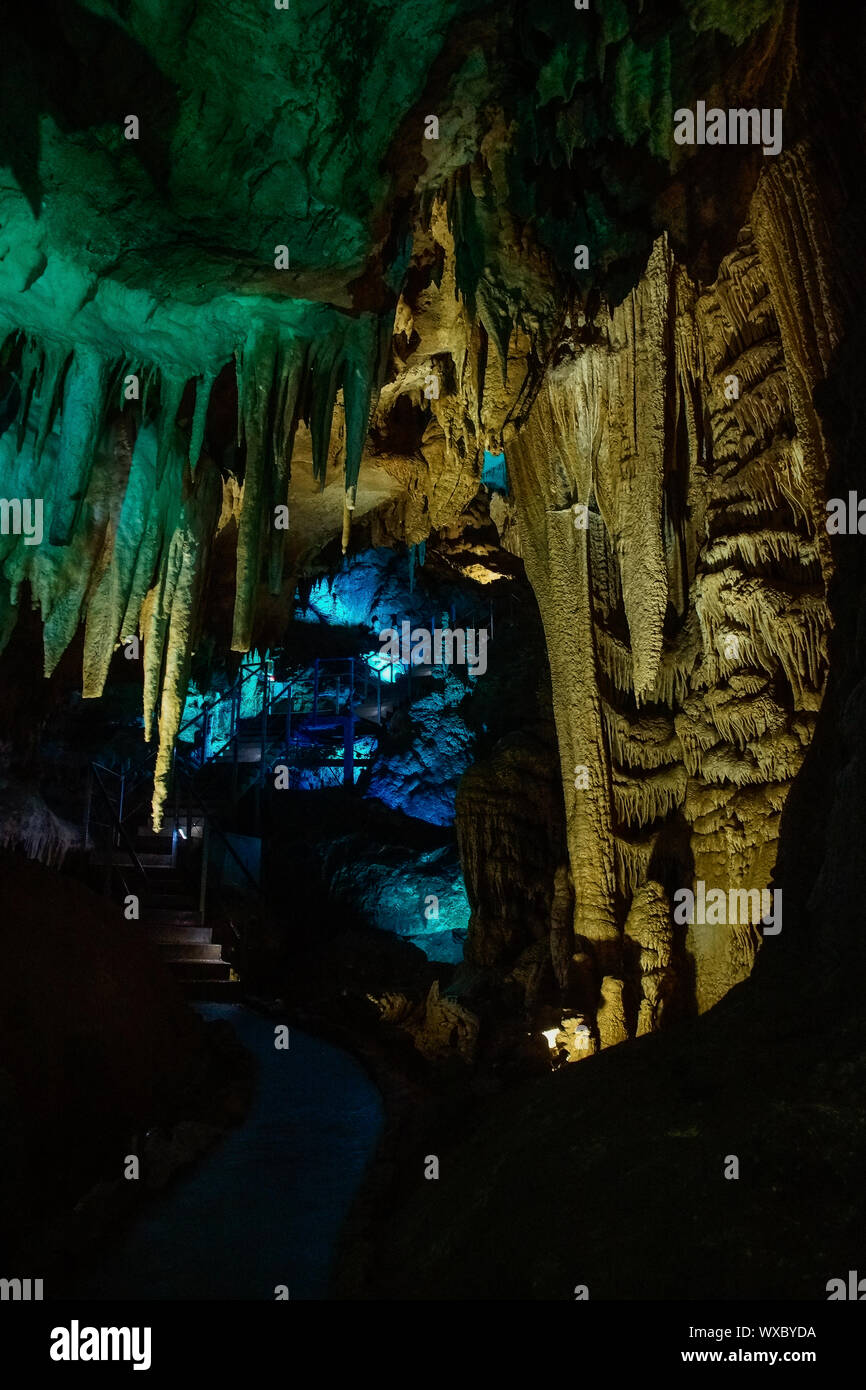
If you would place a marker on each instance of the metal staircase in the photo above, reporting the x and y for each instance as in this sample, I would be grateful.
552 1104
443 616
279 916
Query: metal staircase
221 756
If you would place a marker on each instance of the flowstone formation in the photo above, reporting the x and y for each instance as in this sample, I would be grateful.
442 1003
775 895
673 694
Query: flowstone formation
250 256
674 534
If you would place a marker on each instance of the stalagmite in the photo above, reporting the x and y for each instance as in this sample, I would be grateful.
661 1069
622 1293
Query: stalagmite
649 925
611 1020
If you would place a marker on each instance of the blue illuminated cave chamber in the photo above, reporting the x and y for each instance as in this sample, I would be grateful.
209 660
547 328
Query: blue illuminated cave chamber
415 734
373 696
494 474
426 743
342 738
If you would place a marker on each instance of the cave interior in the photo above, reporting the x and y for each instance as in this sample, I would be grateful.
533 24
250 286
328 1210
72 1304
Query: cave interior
431 611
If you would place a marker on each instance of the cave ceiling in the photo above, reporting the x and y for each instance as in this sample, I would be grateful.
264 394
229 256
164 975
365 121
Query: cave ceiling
282 291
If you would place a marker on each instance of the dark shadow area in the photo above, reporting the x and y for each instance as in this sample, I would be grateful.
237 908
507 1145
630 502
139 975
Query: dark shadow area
63 61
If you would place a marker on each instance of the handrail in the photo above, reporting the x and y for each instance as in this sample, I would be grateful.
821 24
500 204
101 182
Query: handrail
130 847
214 824
246 671
137 772
133 775
235 689
244 674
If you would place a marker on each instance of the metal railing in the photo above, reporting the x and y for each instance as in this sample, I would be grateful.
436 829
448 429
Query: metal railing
211 825
111 836
339 687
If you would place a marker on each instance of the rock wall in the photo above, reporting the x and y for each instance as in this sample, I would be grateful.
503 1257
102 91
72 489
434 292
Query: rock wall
509 829
670 484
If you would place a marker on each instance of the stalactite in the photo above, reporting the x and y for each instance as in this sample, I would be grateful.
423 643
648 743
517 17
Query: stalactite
632 861
642 800
326 367
256 382
557 560
55 363
629 475
697 734
357 392
31 371
81 422
760 549
794 242
615 659
157 606
646 743
203 387
28 824
187 564
172 387
740 717
128 528
756 764
290 372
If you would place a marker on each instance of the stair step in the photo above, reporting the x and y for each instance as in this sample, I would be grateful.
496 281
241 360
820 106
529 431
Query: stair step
181 901
146 858
178 936
160 895
168 917
191 953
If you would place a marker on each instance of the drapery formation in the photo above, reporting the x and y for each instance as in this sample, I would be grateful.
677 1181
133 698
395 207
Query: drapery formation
670 491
